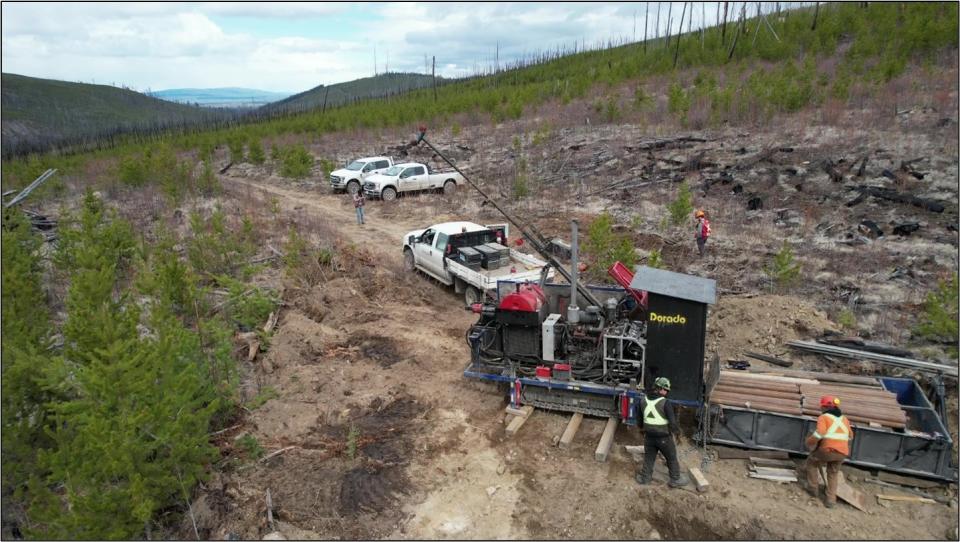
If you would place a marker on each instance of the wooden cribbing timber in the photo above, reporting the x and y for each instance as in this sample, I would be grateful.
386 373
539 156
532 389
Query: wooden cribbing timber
863 400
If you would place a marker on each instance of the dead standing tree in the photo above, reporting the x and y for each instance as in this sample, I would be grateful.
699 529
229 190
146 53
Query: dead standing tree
676 52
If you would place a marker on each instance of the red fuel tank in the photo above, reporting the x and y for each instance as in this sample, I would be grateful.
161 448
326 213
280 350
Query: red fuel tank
528 298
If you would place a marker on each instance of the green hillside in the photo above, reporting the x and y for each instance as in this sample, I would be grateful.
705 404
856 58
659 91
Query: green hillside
39 113
386 84
745 72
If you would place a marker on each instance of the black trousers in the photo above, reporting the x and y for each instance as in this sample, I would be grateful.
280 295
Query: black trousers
662 444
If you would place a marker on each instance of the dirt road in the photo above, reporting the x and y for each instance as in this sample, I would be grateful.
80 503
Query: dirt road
370 365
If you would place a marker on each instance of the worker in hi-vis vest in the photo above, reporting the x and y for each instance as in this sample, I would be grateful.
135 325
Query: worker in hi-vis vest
659 426
829 445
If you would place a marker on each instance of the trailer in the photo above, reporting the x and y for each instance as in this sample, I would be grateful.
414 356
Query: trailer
923 448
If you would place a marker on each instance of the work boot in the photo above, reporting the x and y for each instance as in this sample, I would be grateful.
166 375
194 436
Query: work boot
641 479
829 503
679 481
813 491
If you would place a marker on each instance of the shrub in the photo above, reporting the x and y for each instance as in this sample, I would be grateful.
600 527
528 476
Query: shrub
251 446
208 184
784 269
296 162
353 437
681 207
235 144
939 318
655 259
132 170
847 319
255 152
213 249
24 326
133 403
678 102
641 100
605 247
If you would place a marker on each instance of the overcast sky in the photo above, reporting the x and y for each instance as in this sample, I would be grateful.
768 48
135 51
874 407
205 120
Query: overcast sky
296 46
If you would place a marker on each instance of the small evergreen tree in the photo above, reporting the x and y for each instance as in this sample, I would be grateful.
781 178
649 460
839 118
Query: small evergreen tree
682 206
784 269
255 152
939 320
605 247
24 327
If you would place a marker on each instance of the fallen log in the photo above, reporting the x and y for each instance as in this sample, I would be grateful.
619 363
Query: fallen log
892 195
769 359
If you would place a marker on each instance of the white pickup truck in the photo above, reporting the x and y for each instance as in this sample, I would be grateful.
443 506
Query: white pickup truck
351 177
436 251
409 177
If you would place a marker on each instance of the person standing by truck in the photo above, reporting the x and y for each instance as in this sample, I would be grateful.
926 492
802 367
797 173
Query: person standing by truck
358 205
830 446
659 427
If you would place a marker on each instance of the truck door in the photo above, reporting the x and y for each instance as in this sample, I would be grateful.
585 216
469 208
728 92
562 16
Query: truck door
426 255
417 178
368 170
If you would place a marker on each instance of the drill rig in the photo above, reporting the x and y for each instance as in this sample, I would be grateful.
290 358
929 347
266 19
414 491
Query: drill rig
590 349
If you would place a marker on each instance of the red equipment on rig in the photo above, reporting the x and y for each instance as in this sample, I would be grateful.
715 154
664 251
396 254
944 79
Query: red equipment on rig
624 277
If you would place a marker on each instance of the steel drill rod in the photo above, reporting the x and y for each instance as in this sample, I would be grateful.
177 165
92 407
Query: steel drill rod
537 243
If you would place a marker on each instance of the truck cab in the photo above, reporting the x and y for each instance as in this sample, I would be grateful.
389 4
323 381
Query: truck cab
351 177
409 177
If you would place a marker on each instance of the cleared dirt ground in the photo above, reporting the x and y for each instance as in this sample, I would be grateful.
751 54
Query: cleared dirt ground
384 437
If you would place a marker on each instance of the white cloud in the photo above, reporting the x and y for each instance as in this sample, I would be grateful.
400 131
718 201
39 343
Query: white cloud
164 45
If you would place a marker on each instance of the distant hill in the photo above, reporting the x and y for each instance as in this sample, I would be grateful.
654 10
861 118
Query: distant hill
220 97
38 114
340 93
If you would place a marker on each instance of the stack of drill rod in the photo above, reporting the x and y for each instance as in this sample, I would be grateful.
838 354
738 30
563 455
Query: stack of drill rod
761 392
861 403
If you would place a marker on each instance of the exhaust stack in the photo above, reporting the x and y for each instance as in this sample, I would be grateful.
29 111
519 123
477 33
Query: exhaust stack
573 311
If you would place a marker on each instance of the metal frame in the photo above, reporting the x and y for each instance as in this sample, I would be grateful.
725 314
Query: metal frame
913 454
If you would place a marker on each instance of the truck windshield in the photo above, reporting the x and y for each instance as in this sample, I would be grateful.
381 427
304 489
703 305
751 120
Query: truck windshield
393 171
355 166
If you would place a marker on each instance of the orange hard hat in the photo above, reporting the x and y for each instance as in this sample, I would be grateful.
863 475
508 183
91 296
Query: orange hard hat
699 213
829 401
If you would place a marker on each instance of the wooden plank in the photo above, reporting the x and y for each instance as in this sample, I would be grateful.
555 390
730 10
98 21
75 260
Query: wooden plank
773 478
847 493
516 411
606 440
773 471
906 498
517 422
724 452
571 431
773 463
699 479
907 480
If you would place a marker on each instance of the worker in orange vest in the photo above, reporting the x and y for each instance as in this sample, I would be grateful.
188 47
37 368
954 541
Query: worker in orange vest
829 445
703 230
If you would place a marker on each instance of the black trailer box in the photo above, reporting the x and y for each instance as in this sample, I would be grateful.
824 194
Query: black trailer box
503 251
470 257
491 257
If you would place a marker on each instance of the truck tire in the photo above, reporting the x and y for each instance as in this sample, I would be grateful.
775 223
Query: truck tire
409 264
471 295
449 188
389 194
353 187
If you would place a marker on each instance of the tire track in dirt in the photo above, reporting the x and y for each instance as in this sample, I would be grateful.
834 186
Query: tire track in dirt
452 496
374 234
